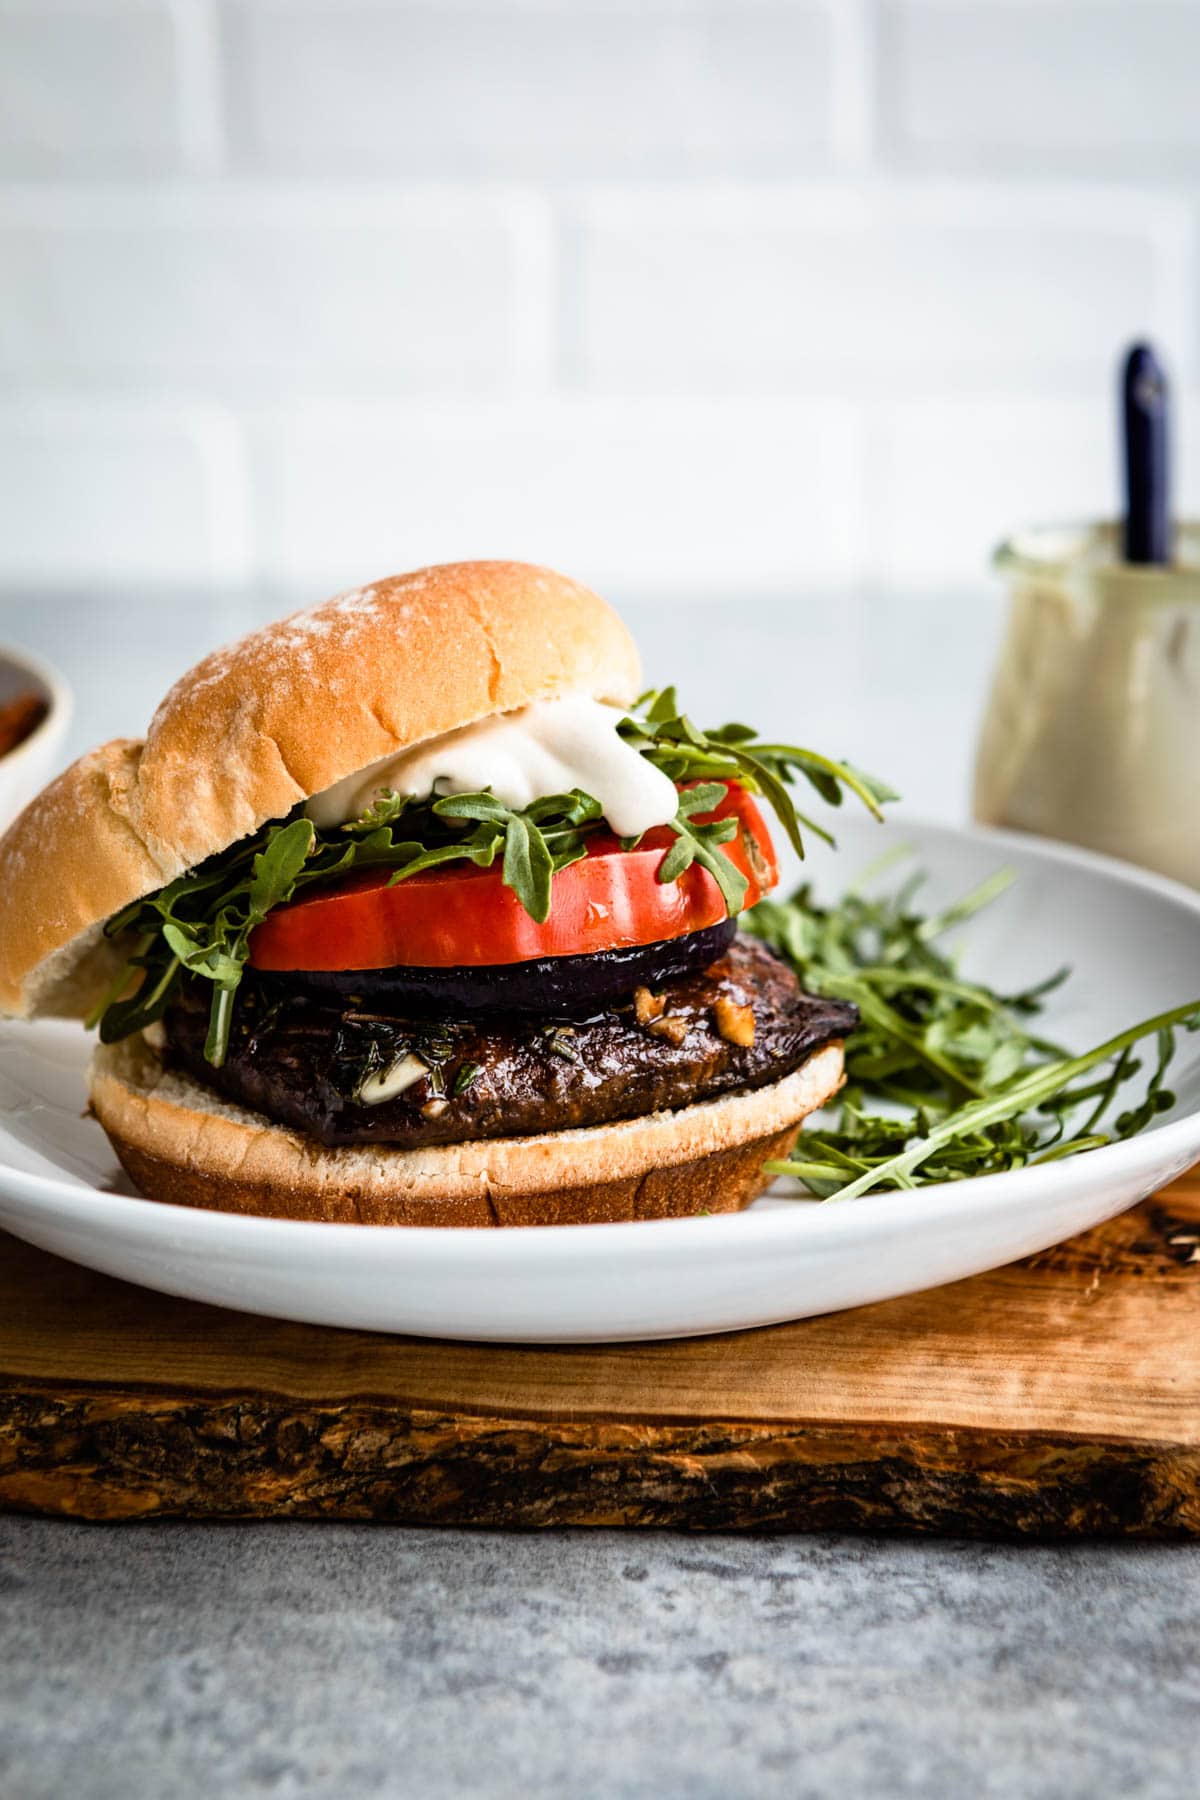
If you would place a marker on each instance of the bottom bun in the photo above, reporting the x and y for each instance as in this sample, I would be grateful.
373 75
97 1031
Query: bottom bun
182 1143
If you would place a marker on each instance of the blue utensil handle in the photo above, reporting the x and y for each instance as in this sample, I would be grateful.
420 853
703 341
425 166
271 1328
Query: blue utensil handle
1147 500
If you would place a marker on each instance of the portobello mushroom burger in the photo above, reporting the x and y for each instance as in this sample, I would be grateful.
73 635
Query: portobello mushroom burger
409 911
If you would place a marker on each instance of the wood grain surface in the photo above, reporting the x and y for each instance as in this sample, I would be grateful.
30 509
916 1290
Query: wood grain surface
1057 1397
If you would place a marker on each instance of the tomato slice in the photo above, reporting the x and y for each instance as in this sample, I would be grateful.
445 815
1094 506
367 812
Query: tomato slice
460 916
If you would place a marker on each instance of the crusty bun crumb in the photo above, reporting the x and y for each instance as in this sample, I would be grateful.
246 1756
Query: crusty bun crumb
182 1143
270 721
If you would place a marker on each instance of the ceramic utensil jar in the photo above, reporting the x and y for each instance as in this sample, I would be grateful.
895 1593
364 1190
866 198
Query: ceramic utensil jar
1092 729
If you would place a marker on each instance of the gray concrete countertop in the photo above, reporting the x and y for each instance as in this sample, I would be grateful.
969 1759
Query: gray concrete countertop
323 1660
354 1662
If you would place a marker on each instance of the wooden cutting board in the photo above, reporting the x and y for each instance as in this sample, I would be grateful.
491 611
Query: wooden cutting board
1057 1397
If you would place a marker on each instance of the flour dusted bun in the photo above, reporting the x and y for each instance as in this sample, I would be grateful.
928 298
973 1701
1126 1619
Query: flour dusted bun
183 1143
270 721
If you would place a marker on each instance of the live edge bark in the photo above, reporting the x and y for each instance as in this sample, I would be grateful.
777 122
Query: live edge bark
92 1455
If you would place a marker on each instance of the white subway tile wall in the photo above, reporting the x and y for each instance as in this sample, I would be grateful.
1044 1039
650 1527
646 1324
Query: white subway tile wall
1099 81
688 296
109 492
88 86
869 289
239 289
722 495
540 91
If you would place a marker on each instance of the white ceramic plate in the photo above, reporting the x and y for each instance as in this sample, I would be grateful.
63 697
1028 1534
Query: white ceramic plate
1133 941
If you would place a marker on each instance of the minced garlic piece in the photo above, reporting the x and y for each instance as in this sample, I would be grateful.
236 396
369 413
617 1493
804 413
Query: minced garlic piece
735 1023
647 1006
385 1084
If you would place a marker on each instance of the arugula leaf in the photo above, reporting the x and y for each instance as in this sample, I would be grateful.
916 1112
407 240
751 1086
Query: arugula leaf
277 866
696 843
121 1013
528 866
385 809
484 807
528 863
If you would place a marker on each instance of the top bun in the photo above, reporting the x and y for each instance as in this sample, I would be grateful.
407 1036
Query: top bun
271 720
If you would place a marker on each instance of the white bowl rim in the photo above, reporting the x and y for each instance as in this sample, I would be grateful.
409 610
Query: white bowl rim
59 710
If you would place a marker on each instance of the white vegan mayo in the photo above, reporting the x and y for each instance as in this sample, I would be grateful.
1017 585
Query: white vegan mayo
547 748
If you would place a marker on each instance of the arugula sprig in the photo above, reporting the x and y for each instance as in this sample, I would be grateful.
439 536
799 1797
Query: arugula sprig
699 843
201 923
667 737
538 842
945 1077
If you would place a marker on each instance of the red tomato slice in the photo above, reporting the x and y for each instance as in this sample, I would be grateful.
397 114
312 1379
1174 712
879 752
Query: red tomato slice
462 916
